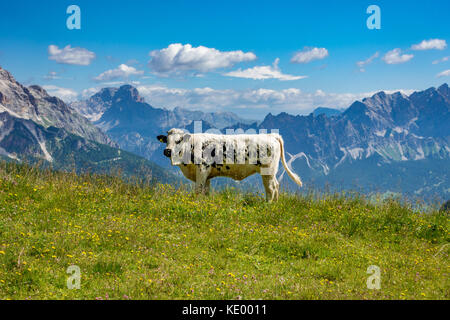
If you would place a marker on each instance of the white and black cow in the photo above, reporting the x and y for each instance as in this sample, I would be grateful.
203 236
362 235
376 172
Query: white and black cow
203 156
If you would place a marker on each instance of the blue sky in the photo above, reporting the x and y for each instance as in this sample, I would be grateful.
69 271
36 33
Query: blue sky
240 42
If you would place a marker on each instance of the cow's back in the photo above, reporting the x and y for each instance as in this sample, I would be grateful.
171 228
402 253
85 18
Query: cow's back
243 160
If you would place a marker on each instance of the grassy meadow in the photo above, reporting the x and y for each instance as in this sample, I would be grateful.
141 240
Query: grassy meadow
134 241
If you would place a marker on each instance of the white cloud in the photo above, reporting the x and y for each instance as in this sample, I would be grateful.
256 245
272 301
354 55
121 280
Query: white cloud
395 56
89 92
444 59
69 55
249 102
369 60
264 72
444 73
65 94
309 54
121 72
177 57
430 44
120 83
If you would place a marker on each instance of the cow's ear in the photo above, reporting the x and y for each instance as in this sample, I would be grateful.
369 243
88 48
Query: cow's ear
162 139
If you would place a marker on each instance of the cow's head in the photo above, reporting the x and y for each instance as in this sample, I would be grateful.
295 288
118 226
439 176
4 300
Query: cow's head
174 141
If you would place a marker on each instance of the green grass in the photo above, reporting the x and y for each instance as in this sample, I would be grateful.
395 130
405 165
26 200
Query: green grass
156 242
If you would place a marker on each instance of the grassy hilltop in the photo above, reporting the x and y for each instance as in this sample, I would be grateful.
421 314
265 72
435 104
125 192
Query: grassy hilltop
157 242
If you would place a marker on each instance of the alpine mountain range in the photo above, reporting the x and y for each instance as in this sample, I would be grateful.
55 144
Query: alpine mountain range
386 143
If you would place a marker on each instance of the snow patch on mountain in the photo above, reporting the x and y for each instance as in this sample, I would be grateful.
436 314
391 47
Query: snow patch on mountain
400 130
380 133
39 140
3 152
292 159
5 109
420 154
356 153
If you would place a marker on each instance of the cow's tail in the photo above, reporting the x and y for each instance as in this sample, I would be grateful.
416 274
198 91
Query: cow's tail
291 174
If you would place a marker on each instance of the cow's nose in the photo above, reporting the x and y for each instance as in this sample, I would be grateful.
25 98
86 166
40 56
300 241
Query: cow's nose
168 153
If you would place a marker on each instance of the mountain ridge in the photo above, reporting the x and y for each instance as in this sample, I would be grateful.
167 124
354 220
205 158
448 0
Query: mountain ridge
381 131
36 104
36 127
133 123
385 132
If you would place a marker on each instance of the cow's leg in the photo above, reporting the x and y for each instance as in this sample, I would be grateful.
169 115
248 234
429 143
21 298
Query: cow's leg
271 185
277 188
207 186
201 179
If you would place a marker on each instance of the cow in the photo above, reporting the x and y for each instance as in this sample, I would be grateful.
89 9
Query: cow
203 156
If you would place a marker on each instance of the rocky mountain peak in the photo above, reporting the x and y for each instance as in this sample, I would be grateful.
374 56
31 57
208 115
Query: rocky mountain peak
128 93
105 94
380 96
423 97
329 112
398 95
38 90
356 108
5 75
430 92
443 86
35 104
444 90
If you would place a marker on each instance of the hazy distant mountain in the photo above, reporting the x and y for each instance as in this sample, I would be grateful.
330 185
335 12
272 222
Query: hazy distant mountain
329 112
37 127
94 108
218 119
385 142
